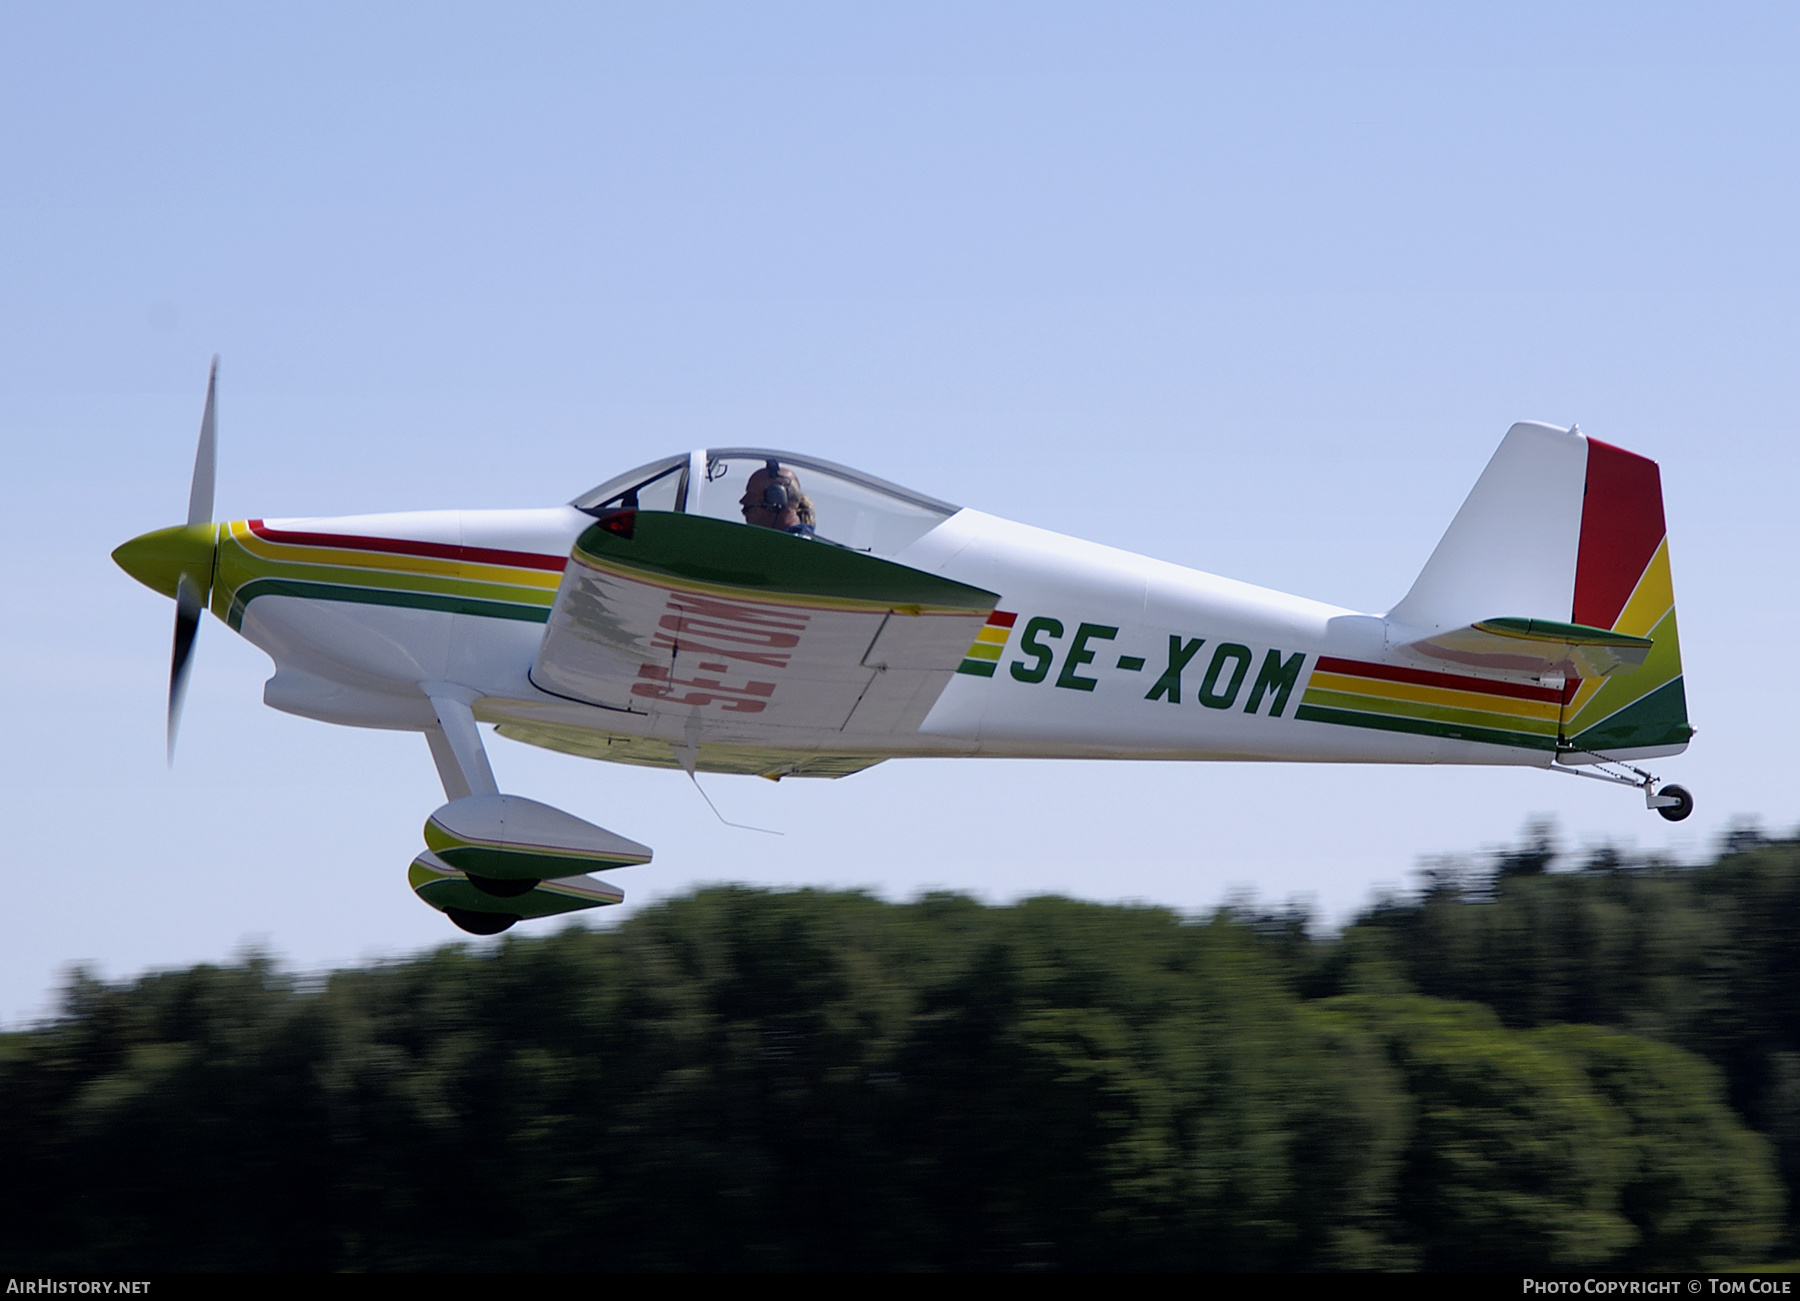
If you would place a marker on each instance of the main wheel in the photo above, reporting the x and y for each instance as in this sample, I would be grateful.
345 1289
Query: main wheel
480 923
1676 812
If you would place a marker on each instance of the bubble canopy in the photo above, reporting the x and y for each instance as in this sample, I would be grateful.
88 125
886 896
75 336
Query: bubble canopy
849 508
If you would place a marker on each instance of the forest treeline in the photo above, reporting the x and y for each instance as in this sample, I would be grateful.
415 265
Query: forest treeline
1596 1066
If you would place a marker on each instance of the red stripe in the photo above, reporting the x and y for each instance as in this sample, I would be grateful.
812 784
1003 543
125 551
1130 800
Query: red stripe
406 547
1001 619
1621 527
1427 678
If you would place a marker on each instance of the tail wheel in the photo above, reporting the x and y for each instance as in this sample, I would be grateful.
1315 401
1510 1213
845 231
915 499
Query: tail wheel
480 923
1684 803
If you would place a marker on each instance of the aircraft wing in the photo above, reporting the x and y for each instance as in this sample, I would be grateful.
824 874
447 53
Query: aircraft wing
761 635
1531 649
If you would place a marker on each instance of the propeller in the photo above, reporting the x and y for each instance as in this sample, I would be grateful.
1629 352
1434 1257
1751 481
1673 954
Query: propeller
190 595
178 561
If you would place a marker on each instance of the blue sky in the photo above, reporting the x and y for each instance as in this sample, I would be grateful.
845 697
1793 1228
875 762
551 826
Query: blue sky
1253 289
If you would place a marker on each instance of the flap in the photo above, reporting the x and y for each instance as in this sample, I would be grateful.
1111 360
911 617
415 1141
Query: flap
1535 649
755 629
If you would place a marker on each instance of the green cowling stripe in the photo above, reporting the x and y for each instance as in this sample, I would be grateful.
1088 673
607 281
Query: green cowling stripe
1659 718
767 562
1426 727
380 596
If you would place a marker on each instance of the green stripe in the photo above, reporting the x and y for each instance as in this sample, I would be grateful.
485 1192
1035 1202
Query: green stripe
1620 690
767 562
1422 727
1657 719
977 668
252 567
379 596
1448 715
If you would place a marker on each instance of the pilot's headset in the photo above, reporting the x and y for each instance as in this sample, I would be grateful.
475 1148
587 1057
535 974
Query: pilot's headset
775 493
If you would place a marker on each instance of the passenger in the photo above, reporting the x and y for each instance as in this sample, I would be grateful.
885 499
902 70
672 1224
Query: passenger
773 500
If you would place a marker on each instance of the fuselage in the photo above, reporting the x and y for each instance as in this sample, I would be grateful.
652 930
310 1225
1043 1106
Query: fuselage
1091 652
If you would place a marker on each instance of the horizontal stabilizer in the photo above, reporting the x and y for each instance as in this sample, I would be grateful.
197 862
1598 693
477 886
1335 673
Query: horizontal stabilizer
1534 649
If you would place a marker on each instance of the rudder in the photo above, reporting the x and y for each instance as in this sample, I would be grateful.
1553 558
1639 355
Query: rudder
1623 583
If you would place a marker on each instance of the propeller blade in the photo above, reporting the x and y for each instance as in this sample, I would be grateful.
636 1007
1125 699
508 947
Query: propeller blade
189 601
200 496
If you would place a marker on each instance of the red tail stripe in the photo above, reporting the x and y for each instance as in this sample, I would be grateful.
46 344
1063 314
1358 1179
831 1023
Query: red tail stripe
1001 619
1621 527
406 547
1427 678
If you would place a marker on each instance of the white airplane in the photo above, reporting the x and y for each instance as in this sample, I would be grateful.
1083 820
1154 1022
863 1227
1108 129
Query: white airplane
748 610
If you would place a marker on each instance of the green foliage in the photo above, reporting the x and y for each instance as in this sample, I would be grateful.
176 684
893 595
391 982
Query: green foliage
1706 959
1698 1187
750 1080
1513 1157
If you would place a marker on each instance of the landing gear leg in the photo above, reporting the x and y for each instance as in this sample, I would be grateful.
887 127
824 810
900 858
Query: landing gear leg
456 748
1671 802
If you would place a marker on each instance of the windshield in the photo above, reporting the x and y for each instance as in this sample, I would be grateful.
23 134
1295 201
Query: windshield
657 486
830 502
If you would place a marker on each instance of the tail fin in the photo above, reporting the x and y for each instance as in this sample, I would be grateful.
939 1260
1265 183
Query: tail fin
1564 529
1511 550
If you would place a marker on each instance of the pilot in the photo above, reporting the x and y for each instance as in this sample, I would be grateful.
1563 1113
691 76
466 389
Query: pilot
773 500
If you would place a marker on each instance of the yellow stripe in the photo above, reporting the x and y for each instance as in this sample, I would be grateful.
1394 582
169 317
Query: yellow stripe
1585 692
1380 689
1649 604
1651 599
980 652
344 558
995 635
391 562
1661 667
1424 712
519 576
396 580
